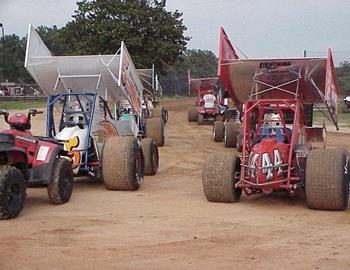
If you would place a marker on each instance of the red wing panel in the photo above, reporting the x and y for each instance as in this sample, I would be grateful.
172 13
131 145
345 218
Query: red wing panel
226 54
331 89
202 84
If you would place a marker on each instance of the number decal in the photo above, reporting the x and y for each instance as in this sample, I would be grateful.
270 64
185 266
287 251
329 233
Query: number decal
70 144
268 167
267 164
278 161
253 165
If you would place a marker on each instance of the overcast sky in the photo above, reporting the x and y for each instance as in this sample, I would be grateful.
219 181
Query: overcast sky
260 28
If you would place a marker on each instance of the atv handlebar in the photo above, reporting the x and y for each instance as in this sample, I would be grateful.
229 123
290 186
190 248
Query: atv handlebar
5 114
34 112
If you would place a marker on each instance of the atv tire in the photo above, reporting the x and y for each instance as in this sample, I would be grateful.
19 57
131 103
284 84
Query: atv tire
327 179
218 131
200 119
231 132
12 192
218 178
192 114
151 154
155 130
60 187
123 163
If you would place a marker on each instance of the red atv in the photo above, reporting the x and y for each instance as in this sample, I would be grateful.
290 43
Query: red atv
207 102
26 160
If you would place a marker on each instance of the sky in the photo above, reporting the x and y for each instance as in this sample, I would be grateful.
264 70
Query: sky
260 28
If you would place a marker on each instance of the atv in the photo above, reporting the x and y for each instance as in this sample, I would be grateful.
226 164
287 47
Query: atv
27 160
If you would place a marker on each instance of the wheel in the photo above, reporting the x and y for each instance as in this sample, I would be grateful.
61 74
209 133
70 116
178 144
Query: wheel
218 131
150 152
12 192
157 112
155 130
327 179
200 119
218 178
231 132
60 187
192 114
239 145
123 163
165 116
219 117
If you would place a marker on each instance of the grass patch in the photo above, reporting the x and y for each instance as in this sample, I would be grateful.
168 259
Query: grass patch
21 105
343 116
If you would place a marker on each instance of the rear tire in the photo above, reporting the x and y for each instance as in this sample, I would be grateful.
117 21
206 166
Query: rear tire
122 163
12 192
157 112
151 154
218 131
231 132
60 187
327 179
155 130
218 178
239 145
192 114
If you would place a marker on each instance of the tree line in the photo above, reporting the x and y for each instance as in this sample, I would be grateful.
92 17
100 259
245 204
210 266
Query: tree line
152 34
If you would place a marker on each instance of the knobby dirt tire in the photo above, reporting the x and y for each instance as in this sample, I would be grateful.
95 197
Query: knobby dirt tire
123 163
60 187
155 130
151 154
12 192
218 178
327 179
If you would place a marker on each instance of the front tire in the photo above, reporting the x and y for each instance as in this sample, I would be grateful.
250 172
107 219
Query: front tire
327 179
123 163
151 154
219 178
218 131
155 130
200 119
231 132
60 187
12 192
192 114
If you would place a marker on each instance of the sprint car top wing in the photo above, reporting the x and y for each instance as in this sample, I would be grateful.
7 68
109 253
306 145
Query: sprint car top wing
113 77
201 83
313 80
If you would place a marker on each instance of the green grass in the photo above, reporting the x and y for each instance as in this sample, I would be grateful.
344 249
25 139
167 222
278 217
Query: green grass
21 105
343 116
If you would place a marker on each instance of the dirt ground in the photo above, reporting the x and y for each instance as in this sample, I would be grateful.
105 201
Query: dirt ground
169 224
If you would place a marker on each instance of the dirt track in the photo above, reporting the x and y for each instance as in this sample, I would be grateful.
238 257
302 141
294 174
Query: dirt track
168 223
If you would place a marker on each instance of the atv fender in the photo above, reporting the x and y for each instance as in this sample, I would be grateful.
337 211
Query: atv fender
42 174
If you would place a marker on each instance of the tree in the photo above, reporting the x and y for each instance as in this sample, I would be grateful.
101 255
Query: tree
54 39
201 63
152 34
12 55
343 77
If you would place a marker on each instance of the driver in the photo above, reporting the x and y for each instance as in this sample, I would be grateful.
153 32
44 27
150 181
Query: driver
209 100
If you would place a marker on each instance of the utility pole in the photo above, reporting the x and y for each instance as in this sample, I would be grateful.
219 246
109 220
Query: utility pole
3 52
